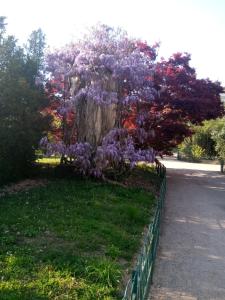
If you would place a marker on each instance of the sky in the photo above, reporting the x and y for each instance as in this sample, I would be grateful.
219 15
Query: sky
193 26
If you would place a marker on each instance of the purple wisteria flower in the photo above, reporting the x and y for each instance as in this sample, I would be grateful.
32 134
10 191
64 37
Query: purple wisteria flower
107 68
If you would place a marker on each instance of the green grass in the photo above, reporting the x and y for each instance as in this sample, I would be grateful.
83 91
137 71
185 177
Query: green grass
73 239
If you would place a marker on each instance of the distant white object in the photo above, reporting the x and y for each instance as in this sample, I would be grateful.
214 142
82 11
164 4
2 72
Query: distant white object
222 97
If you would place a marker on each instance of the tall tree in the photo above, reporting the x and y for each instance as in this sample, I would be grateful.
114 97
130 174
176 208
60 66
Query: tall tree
21 100
100 78
182 100
2 27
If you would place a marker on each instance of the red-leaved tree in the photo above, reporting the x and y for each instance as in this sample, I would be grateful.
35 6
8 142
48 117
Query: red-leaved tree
182 100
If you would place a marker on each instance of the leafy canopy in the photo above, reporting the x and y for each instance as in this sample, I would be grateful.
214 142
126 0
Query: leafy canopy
21 123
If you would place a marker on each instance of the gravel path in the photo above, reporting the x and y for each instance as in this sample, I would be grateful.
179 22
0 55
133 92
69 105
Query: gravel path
191 256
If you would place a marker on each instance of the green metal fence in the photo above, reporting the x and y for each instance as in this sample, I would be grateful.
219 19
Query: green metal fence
138 286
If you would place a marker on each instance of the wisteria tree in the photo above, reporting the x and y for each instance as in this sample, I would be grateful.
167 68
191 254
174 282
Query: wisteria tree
115 101
99 81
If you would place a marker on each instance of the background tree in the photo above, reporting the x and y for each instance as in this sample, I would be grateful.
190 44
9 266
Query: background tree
182 100
218 135
2 27
207 141
21 100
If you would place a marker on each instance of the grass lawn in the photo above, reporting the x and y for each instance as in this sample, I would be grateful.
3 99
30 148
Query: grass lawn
73 239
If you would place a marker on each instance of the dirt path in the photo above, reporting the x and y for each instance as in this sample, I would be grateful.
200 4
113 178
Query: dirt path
191 256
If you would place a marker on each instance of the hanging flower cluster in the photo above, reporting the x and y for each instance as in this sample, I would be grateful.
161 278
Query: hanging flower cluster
117 151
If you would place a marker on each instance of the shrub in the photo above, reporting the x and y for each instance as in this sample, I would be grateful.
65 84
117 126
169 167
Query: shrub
197 152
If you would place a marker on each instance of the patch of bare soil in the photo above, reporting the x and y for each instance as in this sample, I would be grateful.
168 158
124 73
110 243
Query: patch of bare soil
23 185
142 180
47 240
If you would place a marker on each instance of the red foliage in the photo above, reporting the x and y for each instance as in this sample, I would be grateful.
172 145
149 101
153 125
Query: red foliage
182 99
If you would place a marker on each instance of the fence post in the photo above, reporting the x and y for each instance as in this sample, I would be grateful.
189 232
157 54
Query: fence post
134 280
222 165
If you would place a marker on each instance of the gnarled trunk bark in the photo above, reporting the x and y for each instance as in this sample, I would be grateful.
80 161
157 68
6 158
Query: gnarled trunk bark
93 121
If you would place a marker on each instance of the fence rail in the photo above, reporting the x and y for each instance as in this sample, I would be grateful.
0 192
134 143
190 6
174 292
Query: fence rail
138 286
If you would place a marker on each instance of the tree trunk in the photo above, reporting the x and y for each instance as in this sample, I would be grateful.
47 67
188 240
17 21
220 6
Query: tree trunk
93 121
